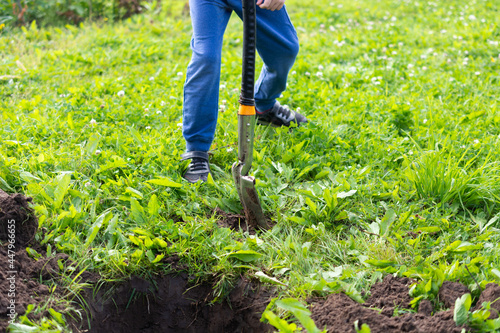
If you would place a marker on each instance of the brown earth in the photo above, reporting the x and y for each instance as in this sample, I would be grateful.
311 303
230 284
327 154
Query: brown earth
16 219
339 312
490 294
18 288
450 291
171 303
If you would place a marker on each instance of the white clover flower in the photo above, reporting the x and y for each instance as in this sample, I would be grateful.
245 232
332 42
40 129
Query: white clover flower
319 74
477 73
230 149
179 124
151 78
308 74
87 184
93 122
148 127
476 141
119 79
462 146
320 67
158 112
425 121
393 19
424 68
294 72
222 87
394 52
410 152
224 102
146 109
180 73
162 103
472 17
443 31
121 93
410 66
97 152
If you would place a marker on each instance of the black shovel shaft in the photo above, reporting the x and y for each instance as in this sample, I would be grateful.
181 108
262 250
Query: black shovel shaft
249 42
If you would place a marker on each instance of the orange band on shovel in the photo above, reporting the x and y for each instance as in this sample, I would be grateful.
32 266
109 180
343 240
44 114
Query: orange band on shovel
246 110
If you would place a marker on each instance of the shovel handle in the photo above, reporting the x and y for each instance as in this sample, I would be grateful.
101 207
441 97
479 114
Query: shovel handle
249 42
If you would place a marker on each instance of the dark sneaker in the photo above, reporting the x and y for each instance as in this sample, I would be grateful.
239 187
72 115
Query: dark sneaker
280 116
198 168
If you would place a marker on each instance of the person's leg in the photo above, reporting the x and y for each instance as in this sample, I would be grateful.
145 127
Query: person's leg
278 45
201 90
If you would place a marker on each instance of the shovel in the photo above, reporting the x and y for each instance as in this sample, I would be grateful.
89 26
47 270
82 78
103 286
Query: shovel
245 184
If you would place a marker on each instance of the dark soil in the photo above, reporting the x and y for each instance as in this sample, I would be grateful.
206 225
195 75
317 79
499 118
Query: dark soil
339 312
17 219
172 304
490 294
389 294
19 286
450 291
18 272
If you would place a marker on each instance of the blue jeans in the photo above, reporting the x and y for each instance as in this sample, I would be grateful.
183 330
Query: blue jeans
277 45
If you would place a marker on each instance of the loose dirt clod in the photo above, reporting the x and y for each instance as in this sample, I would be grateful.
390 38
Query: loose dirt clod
450 291
15 210
490 294
339 312
425 307
390 293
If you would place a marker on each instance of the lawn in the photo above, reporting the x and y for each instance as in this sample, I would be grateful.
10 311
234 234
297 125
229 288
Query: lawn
397 172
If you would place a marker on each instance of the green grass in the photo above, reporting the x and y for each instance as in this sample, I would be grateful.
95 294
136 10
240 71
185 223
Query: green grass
404 138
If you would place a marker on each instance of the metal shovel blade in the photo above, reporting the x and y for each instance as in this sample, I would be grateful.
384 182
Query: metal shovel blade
245 184
249 197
